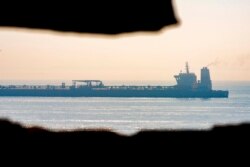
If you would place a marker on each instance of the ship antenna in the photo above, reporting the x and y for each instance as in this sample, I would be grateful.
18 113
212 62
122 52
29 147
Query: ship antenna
187 68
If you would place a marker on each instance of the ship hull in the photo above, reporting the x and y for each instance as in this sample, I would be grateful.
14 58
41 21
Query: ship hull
115 93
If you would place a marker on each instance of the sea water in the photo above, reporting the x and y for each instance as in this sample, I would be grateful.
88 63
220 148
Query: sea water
129 115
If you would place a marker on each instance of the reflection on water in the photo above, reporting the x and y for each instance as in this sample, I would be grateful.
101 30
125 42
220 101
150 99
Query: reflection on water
128 115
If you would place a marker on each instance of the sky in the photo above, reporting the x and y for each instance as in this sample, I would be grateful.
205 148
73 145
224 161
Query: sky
214 33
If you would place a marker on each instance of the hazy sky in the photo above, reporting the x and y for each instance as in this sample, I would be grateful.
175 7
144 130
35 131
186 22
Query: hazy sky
213 31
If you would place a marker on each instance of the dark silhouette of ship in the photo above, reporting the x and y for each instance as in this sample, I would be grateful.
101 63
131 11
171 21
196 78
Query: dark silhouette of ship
187 87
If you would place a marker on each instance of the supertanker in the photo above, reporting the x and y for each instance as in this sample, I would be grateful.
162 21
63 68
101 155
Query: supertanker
187 87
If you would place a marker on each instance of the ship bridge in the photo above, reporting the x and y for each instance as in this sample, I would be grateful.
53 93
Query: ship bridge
186 80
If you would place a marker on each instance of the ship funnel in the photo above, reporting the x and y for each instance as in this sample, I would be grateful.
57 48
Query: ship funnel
206 82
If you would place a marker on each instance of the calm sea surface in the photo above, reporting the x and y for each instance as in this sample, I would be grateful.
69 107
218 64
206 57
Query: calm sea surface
128 115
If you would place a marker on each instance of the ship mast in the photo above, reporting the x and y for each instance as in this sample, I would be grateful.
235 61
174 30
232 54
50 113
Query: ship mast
187 68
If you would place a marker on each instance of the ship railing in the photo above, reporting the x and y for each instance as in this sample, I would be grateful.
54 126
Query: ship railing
59 87
134 88
42 87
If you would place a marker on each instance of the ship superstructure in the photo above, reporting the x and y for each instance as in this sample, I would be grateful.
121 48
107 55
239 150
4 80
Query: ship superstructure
186 80
189 80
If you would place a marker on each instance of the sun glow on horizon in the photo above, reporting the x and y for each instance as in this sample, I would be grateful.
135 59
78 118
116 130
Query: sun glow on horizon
211 32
